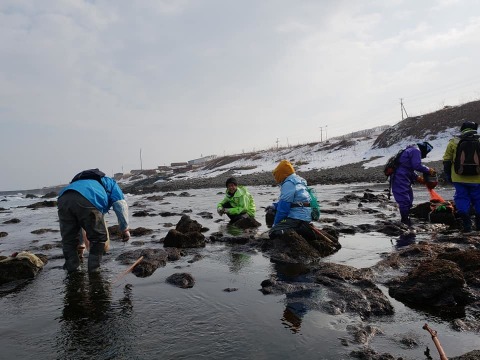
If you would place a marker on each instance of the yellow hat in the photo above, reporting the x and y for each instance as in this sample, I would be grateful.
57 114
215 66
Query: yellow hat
283 169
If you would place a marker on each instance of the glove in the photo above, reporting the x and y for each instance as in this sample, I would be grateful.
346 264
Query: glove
432 171
126 235
220 211
270 208
421 180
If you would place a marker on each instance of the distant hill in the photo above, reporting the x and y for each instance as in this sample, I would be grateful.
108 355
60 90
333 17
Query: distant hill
429 125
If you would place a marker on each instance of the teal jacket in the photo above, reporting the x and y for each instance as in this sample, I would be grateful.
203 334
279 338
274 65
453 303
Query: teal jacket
241 202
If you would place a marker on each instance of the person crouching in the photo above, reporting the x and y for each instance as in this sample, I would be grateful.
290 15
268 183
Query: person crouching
292 211
238 203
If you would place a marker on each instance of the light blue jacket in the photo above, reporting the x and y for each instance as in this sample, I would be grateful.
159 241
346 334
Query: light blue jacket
102 197
293 190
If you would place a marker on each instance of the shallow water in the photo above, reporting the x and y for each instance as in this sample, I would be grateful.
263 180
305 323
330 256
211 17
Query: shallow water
60 317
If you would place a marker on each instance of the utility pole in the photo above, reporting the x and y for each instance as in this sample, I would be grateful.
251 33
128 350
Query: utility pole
321 132
141 165
402 108
277 143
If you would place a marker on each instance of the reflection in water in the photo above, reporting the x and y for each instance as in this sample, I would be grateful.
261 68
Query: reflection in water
297 302
233 230
91 325
406 239
238 261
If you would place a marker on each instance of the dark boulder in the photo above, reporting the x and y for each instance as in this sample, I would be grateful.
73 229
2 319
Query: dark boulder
152 260
182 280
178 239
187 225
436 283
43 204
247 223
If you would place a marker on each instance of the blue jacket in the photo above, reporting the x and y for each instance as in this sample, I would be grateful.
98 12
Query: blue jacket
293 190
102 197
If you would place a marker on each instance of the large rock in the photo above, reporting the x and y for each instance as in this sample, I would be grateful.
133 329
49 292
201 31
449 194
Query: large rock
177 239
23 265
434 282
187 225
293 248
152 260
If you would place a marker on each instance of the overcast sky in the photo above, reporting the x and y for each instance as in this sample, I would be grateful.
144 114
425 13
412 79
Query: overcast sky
93 83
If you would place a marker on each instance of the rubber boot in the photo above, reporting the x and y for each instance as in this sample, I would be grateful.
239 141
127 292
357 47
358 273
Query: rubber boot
95 256
467 223
72 261
405 217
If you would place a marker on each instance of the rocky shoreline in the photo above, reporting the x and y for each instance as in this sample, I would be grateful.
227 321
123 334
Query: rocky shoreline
347 174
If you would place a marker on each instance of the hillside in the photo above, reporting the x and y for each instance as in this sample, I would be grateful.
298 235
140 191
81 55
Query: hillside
355 157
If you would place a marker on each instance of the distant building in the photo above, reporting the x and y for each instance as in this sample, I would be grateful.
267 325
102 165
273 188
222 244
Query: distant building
178 164
201 160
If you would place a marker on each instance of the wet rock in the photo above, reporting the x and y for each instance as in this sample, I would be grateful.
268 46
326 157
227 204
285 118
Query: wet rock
466 325
362 334
182 280
230 289
152 260
43 204
352 290
472 355
178 239
174 254
140 231
184 194
155 198
205 215
293 248
167 214
43 231
49 195
247 223
142 213
23 265
186 225
3 234
115 234
12 221
31 196
47 247
469 262
370 354
436 282
218 237
196 257
370 197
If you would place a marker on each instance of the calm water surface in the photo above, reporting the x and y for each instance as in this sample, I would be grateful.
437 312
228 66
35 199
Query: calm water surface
82 317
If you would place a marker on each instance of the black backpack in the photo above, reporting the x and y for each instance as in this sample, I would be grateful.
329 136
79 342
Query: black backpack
392 164
467 156
91 174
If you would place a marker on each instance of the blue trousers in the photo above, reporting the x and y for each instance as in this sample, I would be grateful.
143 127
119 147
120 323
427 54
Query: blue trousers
467 194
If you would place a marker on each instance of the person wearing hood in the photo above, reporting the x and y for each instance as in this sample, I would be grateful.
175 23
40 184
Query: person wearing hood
238 203
461 165
405 176
292 211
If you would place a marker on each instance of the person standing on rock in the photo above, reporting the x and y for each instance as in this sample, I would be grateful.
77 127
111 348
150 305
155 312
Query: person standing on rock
404 176
461 165
292 211
238 203
82 205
